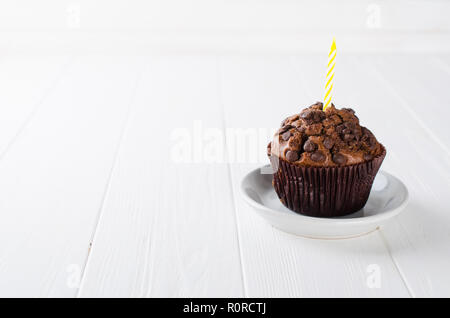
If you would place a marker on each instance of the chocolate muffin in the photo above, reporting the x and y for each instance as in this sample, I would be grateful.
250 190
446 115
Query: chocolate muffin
324 162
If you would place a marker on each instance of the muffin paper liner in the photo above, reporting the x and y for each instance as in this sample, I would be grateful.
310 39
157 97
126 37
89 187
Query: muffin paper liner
325 191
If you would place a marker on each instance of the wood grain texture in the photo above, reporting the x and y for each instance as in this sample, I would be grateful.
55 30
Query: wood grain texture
417 105
258 92
25 82
167 228
54 176
142 157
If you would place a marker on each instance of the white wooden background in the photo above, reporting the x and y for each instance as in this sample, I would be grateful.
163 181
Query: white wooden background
92 204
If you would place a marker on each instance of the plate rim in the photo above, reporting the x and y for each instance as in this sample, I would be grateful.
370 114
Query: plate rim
345 221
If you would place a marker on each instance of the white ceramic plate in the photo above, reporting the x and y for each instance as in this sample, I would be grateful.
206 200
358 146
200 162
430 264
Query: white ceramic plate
387 199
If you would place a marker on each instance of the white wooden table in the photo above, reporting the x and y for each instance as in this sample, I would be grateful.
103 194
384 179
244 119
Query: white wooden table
93 201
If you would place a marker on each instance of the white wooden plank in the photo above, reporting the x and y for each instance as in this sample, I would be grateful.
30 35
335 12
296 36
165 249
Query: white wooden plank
24 82
53 178
414 107
168 228
260 92
420 83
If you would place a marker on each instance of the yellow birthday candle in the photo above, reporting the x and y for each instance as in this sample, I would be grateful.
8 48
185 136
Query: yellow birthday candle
330 75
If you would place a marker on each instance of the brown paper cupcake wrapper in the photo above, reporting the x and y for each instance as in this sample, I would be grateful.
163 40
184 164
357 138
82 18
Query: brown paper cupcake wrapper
325 191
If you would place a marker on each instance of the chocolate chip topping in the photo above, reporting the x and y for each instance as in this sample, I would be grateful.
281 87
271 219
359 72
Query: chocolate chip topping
285 136
348 137
349 110
331 137
285 128
339 158
312 115
318 156
328 142
292 155
309 146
